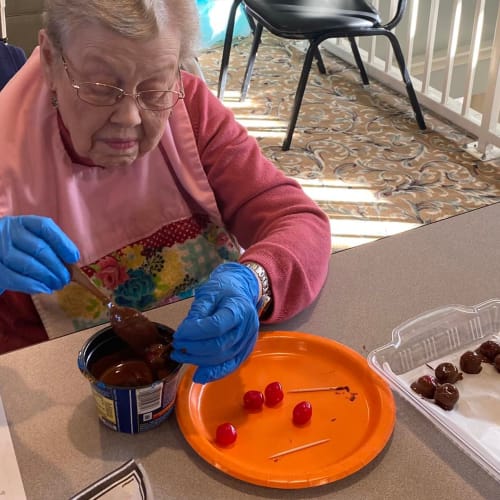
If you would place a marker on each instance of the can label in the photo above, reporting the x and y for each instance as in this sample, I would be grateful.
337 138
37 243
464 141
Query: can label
105 408
134 409
149 398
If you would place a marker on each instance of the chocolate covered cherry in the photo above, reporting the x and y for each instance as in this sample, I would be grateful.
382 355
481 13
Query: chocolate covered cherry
489 349
496 363
447 373
446 396
470 362
425 386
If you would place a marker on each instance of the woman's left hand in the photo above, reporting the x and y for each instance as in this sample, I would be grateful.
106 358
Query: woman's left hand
221 327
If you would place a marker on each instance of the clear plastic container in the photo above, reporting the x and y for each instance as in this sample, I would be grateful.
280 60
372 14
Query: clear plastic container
444 334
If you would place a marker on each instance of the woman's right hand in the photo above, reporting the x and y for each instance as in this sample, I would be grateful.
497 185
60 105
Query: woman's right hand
33 251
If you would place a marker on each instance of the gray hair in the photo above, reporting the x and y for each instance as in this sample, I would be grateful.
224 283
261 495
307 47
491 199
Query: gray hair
137 19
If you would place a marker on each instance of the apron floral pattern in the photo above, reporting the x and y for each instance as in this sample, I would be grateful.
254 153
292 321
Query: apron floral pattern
154 271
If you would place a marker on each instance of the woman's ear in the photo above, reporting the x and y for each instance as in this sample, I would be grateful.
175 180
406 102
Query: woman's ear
48 58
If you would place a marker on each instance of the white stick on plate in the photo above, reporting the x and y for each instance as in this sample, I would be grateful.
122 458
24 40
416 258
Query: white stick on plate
299 448
318 389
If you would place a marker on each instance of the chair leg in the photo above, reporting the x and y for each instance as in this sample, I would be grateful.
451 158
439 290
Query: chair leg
406 79
359 61
299 94
251 60
320 62
228 40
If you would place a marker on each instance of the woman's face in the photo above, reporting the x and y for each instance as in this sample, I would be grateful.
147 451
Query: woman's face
111 136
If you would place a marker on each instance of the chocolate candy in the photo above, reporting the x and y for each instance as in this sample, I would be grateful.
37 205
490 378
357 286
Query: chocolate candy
441 388
425 386
447 373
470 362
489 349
134 328
446 396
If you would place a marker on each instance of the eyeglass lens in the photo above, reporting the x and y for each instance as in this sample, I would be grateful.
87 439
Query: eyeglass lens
106 95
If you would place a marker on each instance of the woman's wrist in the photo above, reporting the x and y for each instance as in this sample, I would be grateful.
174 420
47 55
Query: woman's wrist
265 295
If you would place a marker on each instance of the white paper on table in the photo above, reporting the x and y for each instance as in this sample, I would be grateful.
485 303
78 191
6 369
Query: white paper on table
128 482
11 484
476 415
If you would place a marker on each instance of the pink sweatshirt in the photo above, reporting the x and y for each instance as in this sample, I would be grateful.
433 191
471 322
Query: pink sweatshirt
278 225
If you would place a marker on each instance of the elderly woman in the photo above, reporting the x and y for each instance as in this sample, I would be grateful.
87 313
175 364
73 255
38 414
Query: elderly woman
114 158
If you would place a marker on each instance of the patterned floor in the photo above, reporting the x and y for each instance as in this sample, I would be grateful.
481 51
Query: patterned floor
356 150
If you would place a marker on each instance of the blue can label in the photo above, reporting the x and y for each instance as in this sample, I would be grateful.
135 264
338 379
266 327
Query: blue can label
134 410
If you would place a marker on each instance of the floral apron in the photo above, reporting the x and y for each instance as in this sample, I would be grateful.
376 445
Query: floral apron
160 267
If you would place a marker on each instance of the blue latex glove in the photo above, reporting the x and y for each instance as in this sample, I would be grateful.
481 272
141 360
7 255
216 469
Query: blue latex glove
32 252
221 327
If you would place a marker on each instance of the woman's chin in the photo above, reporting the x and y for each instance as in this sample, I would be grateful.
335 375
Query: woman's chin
114 161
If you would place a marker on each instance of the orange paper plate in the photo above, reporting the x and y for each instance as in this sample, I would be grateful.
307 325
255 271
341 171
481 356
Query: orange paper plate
358 421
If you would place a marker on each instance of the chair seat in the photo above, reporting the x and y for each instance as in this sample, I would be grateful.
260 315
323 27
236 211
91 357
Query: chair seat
306 19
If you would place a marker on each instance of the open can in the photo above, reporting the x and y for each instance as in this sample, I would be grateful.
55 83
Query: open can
127 409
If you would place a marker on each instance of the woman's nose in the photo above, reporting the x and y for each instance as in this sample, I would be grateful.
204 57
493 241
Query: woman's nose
127 111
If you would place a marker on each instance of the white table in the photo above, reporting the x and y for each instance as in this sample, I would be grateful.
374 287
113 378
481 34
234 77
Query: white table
61 447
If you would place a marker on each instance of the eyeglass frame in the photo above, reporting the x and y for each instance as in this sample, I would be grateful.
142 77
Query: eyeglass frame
135 95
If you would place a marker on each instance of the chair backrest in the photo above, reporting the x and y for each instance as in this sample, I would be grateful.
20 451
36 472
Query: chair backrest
400 10
11 59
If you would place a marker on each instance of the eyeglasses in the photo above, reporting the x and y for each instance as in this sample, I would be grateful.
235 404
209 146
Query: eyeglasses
102 94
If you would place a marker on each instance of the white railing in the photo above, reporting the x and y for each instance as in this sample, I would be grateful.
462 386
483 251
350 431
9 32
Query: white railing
452 49
3 26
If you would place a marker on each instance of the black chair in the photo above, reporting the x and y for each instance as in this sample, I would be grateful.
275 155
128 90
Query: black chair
315 21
